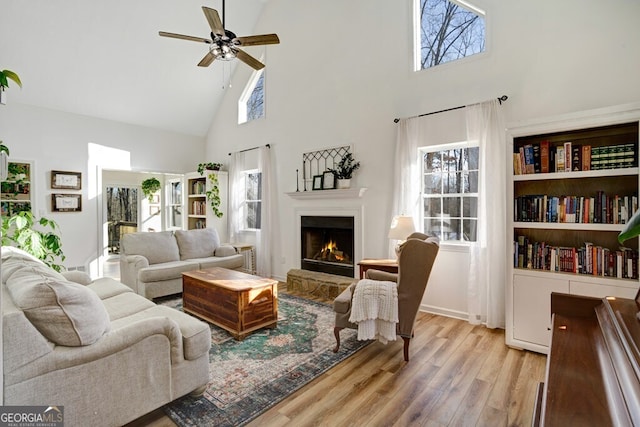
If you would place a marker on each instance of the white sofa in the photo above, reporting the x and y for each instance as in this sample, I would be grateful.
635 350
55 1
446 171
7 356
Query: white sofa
152 263
103 352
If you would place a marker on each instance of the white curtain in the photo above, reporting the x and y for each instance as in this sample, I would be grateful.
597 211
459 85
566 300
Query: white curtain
236 179
488 255
406 195
264 236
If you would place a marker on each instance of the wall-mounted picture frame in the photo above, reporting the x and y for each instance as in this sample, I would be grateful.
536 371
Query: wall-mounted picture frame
328 180
317 182
65 180
154 210
66 202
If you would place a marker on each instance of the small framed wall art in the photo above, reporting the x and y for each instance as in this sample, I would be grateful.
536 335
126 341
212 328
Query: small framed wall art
328 180
66 202
66 180
317 182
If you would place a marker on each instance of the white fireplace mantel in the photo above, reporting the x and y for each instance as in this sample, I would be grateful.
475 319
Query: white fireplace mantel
348 193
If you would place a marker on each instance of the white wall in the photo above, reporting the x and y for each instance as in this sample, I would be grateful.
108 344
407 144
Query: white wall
61 141
343 72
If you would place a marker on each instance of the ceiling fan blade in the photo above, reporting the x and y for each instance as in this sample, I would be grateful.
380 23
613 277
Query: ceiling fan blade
183 37
258 40
207 60
214 20
248 59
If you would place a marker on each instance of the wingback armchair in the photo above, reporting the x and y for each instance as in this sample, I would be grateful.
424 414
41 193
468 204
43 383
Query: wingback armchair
415 261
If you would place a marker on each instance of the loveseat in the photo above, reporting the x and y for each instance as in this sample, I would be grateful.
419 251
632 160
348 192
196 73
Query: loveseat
152 263
104 353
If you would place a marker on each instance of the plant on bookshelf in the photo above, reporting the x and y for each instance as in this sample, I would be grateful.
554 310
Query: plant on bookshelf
213 195
631 230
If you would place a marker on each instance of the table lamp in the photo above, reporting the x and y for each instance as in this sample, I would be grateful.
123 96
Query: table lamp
401 227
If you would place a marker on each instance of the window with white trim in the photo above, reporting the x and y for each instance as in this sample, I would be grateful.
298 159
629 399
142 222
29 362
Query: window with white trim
447 30
251 104
174 204
251 206
450 191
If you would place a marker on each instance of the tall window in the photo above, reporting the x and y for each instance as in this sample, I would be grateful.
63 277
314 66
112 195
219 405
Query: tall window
447 30
252 204
174 204
450 191
251 104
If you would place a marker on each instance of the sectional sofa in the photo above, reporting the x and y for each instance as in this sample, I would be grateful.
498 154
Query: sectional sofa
104 353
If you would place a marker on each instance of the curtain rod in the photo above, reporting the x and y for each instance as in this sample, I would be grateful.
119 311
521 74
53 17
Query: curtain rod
249 149
500 99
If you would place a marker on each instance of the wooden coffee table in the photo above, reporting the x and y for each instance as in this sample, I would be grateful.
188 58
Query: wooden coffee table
238 302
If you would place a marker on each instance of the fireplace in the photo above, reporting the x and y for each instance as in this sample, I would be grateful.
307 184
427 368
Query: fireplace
327 244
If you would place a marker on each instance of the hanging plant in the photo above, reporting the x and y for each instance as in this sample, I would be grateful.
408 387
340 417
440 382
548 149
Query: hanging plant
150 186
213 195
209 167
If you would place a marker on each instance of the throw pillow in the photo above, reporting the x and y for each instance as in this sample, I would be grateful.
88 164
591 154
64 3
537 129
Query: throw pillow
199 243
66 313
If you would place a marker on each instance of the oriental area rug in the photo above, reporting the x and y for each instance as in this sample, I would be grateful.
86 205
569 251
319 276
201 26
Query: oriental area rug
248 377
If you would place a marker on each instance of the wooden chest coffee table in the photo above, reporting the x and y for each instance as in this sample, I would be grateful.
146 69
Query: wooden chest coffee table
238 302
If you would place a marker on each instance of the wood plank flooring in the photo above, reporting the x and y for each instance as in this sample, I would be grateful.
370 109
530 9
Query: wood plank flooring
458 375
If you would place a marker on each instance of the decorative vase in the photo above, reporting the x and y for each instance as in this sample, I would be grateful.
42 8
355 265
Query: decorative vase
3 96
343 183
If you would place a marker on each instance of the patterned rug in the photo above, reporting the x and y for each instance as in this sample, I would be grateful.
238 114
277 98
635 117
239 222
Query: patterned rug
248 377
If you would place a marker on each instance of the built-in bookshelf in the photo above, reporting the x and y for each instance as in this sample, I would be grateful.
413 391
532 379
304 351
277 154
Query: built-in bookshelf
572 191
199 212
16 190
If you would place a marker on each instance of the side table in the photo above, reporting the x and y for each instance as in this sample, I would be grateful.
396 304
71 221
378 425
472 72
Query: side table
389 265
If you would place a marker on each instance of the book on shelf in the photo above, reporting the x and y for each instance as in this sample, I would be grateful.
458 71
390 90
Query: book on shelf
544 156
536 158
528 159
586 157
517 170
567 156
576 158
560 159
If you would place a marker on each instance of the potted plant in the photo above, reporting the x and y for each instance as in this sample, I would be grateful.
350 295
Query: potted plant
631 229
213 195
344 171
19 230
5 76
150 186
209 166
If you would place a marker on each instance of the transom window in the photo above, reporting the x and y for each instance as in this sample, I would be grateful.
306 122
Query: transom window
450 191
447 30
251 104
252 205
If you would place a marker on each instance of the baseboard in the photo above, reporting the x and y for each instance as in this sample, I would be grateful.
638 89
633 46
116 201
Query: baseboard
444 312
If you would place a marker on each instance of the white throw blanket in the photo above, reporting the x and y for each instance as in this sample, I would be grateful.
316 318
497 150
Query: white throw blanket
374 308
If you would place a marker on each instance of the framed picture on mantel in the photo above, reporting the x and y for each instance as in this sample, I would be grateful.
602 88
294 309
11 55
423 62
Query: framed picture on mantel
317 182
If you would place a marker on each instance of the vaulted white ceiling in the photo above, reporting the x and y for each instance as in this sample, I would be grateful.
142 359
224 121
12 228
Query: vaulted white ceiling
106 59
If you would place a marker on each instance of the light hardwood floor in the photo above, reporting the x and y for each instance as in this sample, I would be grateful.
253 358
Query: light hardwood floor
457 375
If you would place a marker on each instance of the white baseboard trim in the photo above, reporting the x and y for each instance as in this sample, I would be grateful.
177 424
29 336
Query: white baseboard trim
445 312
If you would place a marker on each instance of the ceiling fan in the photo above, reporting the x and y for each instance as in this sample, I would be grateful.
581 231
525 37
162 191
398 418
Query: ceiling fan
224 44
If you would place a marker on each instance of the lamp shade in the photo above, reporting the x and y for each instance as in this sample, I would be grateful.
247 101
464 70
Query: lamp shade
401 227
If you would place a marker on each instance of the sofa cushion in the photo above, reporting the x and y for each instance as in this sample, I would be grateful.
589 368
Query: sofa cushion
166 271
106 287
125 304
231 262
13 259
66 313
198 243
225 250
156 247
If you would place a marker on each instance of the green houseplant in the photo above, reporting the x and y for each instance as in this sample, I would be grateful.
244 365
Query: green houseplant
5 76
631 229
149 187
209 166
344 170
40 237
213 195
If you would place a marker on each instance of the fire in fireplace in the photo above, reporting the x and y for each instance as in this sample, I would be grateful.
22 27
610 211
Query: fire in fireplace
327 244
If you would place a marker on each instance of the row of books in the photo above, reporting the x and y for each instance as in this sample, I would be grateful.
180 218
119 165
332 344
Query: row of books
600 209
200 223
543 157
588 259
198 187
198 207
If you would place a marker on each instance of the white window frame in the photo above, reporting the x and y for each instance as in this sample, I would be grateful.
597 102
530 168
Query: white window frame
169 204
417 36
243 203
246 94
438 148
